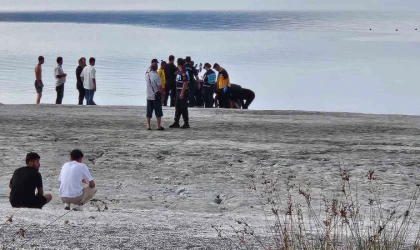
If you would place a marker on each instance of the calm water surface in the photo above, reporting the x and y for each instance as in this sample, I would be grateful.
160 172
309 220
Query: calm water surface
327 61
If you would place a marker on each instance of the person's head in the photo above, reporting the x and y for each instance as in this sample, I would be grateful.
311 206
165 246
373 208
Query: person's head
76 155
180 62
154 61
207 66
154 67
32 160
188 60
171 59
162 64
59 60
92 61
217 67
82 62
40 60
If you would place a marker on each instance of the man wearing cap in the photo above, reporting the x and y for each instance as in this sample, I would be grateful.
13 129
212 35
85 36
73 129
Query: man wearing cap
181 103
154 61
209 84
223 84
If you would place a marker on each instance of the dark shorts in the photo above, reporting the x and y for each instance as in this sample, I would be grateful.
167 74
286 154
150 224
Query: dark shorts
37 87
37 202
155 105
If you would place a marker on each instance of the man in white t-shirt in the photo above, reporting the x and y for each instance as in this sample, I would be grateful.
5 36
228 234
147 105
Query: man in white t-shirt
76 183
88 76
60 79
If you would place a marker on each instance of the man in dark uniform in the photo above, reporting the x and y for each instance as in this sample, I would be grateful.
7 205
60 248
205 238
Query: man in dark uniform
181 103
170 85
194 79
209 86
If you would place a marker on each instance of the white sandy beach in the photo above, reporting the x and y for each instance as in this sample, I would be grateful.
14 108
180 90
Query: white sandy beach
159 187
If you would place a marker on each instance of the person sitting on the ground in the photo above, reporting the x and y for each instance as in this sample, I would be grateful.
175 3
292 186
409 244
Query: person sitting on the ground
76 183
25 181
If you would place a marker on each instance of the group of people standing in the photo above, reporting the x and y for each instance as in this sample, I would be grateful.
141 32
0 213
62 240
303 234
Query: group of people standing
182 87
85 75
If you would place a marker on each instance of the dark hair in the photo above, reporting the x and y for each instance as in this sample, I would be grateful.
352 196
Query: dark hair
40 58
76 155
216 65
171 58
92 60
162 63
154 67
82 62
207 65
188 59
180 61
32 157
154 61
59 59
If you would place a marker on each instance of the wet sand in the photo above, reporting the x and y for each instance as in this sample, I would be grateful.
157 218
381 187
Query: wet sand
157 189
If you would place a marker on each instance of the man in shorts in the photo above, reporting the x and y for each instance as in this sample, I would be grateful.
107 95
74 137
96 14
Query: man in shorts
38 79
25 181
153 87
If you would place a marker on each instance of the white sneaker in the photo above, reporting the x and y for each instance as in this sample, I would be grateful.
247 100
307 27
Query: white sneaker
78 208
66 206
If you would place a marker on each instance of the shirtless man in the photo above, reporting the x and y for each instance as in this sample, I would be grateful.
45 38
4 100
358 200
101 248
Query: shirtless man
38 79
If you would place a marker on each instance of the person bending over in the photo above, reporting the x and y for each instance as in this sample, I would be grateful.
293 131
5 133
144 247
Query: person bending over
76 183
246 97
25 181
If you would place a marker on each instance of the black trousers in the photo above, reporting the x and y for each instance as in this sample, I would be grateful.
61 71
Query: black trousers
208 98
82 92
170 91
181 107
248 101
60 94
192 86
223 99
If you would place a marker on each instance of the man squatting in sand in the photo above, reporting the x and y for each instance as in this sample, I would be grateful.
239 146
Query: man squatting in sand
25 181
76 183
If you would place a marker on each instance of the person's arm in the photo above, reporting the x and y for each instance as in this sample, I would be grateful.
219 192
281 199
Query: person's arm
10 183
39 186
94 79
82 75
87 177
184 86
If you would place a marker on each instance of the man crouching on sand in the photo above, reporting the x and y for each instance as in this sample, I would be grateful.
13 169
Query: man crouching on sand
76 183
25 181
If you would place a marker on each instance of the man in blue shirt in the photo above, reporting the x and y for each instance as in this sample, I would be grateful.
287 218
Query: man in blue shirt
209 85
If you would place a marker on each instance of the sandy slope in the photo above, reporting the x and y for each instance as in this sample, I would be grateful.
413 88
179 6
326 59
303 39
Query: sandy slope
159 187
